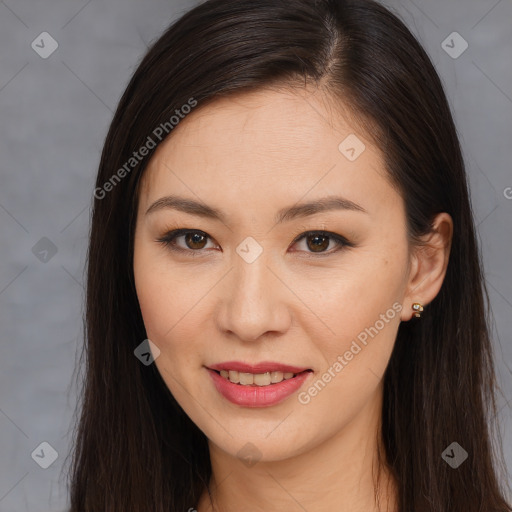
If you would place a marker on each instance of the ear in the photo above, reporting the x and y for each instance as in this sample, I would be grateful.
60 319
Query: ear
429 262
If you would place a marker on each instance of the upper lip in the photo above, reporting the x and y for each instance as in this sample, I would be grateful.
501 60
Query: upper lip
262 367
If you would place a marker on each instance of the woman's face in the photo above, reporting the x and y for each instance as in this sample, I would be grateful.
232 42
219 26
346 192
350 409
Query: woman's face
247 287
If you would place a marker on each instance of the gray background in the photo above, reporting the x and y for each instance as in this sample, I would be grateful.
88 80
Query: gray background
54 116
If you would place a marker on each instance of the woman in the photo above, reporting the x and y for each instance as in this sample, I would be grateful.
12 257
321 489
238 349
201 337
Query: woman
285 305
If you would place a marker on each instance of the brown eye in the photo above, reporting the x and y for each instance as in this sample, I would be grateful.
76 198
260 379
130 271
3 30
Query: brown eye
317 243
195 240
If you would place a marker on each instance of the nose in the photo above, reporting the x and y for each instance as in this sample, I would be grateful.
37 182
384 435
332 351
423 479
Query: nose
254 302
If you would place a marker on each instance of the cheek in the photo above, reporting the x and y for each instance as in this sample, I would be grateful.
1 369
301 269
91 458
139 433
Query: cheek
158 290
354 361
164 312
172 306
156 295
353 297
360 312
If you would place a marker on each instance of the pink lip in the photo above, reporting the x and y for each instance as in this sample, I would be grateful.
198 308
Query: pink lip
257 396
263 367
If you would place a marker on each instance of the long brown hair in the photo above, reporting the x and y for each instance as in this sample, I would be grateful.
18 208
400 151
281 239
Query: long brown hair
135 448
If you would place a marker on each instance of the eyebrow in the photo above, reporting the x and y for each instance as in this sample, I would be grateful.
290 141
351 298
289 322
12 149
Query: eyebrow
299 210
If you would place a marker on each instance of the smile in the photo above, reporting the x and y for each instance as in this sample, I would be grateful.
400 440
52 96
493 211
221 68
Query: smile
264 386
256 379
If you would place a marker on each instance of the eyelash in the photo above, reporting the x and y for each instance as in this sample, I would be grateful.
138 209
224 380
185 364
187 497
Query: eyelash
168 241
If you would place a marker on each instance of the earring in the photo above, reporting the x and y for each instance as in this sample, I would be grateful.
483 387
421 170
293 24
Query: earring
417 308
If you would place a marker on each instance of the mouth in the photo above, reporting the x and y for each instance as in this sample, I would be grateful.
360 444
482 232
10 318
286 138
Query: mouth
261 385
257 379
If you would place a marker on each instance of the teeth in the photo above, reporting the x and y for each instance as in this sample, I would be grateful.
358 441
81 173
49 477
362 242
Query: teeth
262 379
246 378
258 379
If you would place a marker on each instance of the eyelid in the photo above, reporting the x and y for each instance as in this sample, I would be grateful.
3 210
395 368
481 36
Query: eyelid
340 241
170 236
167 240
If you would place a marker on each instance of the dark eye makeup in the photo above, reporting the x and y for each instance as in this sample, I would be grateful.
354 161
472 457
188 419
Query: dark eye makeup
198 237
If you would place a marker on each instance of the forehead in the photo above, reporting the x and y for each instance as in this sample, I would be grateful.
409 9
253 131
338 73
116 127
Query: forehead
264 142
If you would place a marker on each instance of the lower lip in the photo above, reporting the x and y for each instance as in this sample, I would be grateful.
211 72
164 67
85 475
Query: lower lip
257 396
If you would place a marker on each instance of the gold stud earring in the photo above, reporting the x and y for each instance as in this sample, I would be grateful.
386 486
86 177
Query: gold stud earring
417 308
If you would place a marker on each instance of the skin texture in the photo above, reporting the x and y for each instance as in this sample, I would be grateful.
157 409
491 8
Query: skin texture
249 156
